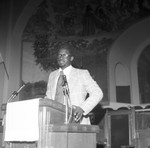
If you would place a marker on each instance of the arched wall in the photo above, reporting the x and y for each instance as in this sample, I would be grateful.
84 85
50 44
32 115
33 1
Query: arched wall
123 51
14 48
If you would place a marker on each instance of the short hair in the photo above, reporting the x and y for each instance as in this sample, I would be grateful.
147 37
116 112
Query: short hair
68 47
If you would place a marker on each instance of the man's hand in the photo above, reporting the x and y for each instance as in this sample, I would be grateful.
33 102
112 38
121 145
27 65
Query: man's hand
77 112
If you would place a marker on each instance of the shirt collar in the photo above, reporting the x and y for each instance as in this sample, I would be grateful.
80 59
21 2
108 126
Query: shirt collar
67 70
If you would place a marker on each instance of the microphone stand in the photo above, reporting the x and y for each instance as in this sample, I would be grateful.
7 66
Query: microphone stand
67 102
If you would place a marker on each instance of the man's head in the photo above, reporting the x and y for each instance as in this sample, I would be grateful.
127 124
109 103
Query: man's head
64 57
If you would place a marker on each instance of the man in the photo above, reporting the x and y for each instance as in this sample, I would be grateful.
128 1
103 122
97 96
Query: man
80 83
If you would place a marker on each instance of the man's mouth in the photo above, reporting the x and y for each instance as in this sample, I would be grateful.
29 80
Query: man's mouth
61 61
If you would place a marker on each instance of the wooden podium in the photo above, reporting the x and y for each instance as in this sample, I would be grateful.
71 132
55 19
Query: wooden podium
69 136
55 134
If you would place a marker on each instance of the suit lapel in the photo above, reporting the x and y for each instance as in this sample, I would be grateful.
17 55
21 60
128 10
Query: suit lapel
72 78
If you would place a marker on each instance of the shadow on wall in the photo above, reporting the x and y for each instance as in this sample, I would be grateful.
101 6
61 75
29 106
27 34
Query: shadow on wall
97 114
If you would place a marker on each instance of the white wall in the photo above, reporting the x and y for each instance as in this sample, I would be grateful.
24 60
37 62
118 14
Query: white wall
126 50
13 49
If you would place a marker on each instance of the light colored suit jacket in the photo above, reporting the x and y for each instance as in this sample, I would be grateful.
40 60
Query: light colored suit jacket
80 83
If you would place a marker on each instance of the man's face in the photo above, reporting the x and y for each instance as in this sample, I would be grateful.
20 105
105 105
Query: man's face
64 58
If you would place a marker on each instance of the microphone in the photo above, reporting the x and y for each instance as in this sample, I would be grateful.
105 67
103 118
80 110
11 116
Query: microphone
20 88
15 93
65 84
64 80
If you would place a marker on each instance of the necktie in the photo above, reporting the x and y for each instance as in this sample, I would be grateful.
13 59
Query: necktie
59 96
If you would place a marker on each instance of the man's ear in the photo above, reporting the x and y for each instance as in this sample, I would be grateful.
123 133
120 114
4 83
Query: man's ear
72 58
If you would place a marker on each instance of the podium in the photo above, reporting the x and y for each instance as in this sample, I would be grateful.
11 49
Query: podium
53 133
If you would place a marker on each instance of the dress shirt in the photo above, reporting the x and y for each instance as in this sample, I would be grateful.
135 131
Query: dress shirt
66 71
